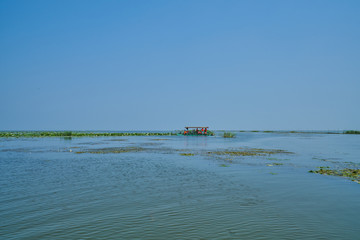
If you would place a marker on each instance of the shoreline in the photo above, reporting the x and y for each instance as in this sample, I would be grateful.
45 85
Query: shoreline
16 134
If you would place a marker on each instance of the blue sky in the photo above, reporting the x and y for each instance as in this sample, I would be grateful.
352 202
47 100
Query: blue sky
161 65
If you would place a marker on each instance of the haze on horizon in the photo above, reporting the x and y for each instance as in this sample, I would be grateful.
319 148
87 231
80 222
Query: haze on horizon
161 65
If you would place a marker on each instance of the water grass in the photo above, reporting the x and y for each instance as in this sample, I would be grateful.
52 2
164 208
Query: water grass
228 135
80 134
251 152
112 150
274 164
350 173
351 132
223 165
187 154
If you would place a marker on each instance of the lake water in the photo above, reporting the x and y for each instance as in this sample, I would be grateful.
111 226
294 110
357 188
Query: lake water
171 187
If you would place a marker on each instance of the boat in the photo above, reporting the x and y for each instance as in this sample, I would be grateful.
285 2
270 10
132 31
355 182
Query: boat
196 131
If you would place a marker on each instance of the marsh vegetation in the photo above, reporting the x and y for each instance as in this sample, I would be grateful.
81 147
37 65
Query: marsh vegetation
187 154
250 152
228 135
80 134
111 150
352 174
352 132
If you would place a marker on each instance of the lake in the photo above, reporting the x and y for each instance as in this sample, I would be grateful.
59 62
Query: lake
254 186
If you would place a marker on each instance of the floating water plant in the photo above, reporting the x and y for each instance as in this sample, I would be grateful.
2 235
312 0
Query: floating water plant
278 159
112 150
274 164
251 152
187 154
223 165
352 132
80 134
67 134
228 135
352 174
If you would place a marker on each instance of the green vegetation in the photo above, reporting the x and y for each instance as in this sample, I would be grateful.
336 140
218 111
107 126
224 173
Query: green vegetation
210 133
352 174
228 135
278 159
187 154
287 132
79 134
223 165
67 134
250 152
111 150
274 164
352 132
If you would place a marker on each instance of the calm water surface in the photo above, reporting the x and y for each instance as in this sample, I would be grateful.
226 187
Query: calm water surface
48 191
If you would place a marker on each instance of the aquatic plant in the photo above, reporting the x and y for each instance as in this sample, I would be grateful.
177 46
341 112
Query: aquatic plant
112 150
187 154
228 135
251 152
352 132
223 165
274 164
67 134
79 134
352 174
278 159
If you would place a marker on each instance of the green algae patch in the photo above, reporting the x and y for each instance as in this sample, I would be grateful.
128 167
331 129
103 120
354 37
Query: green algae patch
187 154
112 150
251 152
352 174
229 135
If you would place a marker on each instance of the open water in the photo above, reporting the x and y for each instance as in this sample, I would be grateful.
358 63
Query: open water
154 188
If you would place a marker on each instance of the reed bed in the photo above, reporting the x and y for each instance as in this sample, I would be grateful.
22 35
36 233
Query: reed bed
80 134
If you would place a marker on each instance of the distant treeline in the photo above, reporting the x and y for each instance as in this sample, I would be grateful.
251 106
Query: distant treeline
80 134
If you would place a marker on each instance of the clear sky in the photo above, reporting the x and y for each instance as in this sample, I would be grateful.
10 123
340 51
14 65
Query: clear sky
161 65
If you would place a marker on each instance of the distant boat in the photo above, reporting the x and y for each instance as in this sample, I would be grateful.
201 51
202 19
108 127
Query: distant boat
196 131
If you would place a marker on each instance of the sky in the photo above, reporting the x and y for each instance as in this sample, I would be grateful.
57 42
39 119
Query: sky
162 65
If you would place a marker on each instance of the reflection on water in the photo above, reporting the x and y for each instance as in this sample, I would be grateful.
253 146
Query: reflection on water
48 190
